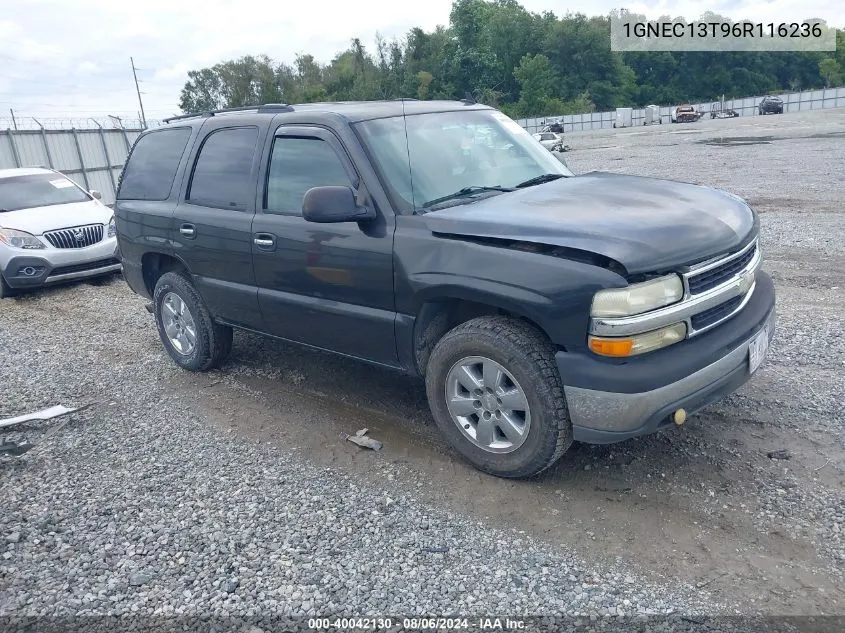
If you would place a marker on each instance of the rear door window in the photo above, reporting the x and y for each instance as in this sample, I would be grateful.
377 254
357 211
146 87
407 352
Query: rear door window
222 173
152 165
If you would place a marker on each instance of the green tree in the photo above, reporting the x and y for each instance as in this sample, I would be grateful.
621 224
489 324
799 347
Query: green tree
536 81
244 81
527 64
202 92
424 79
830 70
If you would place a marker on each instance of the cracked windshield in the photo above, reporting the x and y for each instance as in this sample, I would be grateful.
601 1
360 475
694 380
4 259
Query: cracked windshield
428 157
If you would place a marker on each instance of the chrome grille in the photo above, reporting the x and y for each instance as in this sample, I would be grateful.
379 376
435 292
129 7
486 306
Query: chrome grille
715 315
75 237
714 291
721 272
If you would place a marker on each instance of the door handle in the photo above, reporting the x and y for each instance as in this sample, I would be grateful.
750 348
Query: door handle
188 230
265 240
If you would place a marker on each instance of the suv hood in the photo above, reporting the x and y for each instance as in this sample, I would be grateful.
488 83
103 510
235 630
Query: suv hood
645 224
57 216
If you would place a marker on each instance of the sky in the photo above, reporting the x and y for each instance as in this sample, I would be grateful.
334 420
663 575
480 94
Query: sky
63 59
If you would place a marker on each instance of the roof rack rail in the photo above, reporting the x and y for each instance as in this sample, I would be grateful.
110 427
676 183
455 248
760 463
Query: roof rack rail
191 115
267 107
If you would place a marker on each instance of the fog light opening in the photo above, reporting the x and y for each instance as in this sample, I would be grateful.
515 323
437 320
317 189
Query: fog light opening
29 271
679 417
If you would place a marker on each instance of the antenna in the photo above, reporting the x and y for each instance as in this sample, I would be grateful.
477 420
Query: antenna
408 151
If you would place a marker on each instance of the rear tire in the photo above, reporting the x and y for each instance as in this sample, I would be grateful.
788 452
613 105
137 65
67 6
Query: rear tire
530 372
189 334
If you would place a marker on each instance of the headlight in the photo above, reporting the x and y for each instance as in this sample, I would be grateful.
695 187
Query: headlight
638 298
112 228
639 343
19 239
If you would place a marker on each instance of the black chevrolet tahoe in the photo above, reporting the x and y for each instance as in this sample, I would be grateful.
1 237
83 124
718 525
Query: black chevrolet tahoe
440 239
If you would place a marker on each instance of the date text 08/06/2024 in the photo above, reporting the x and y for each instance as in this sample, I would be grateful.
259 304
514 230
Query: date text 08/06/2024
418 624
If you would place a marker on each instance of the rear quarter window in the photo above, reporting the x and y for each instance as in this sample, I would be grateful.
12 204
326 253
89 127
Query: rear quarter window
152 165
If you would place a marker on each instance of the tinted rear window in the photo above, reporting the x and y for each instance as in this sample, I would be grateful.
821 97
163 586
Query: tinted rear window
222 171
38 190
152 165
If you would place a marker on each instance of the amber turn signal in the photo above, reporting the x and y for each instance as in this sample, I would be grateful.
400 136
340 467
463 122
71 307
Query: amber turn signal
639 343
611 346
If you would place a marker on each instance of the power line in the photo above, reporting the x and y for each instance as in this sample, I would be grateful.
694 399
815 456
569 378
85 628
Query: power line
42 105
42 63
83 92
40 82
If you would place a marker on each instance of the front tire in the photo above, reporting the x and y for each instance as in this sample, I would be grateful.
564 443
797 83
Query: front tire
495 393
193 340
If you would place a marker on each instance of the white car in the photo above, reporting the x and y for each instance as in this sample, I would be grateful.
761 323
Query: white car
548 139
51 230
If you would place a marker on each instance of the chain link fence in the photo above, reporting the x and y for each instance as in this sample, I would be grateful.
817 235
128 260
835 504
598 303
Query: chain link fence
108 122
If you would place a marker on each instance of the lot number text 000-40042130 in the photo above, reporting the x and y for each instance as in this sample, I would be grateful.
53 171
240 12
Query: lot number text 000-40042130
417 624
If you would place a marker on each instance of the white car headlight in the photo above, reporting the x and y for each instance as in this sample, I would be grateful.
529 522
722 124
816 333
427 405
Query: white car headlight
638 298
112 228
19 239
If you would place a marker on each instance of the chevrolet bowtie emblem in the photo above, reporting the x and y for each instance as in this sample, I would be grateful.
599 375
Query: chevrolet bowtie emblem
745 281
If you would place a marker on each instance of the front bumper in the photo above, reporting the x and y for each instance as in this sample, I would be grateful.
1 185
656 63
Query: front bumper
35 268
614 401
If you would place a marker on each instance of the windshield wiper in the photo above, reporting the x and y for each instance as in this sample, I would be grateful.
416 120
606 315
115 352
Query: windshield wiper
539 180
466 191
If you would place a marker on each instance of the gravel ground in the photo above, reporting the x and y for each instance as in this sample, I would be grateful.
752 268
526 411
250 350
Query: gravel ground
137 505
224 495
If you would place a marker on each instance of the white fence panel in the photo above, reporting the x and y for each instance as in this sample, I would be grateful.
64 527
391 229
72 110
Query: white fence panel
93 158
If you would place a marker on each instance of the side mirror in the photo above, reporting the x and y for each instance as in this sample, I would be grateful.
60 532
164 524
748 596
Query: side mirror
333 204
96 194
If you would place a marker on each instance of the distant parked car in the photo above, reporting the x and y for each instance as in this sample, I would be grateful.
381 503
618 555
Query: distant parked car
549 139
685 114
770 105
51 230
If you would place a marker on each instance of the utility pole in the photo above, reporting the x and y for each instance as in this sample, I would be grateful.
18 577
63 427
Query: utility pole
14 121
138 90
